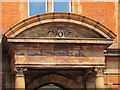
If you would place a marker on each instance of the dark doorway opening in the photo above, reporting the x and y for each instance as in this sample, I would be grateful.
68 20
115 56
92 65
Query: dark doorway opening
51 86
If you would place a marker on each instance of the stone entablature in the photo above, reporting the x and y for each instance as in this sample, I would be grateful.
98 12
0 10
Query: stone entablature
58 55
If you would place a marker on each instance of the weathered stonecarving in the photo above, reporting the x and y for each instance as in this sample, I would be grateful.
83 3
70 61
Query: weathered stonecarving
60 30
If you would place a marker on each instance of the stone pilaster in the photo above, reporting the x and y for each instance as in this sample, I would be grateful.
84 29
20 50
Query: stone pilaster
49 6
99 78
20 78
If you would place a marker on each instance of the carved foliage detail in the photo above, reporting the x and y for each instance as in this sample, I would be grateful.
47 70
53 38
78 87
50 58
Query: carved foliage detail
20 71
56 33
99 70
59 32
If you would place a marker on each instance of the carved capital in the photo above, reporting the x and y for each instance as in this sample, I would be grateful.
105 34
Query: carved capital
99 71
20 71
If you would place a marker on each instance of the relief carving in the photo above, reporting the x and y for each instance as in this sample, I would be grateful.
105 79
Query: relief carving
99 71
56 32
59 30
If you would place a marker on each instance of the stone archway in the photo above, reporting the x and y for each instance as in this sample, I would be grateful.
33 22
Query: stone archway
54 78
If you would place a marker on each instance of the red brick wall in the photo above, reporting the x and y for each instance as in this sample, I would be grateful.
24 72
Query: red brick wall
103 12
10 14
114 79
0 17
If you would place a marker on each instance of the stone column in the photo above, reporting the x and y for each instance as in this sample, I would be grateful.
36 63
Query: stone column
99 78
20 78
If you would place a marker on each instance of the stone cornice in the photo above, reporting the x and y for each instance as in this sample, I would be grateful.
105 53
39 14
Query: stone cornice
112 52
62 40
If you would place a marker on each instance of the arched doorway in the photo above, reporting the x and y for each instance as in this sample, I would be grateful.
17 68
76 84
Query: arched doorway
68 44
58 80
51 86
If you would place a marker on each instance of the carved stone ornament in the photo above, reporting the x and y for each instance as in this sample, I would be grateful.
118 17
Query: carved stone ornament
100 71
20 71
56 33
59 30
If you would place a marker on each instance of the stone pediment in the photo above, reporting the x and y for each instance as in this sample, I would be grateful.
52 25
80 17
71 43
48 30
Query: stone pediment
59 30
59 25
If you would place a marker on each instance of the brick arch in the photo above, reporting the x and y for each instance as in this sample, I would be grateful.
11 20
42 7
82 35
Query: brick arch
54 78
59 17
